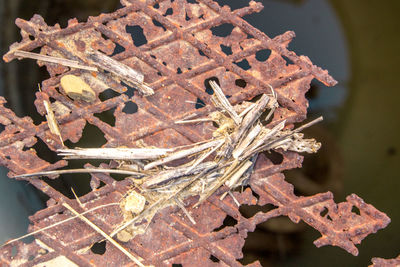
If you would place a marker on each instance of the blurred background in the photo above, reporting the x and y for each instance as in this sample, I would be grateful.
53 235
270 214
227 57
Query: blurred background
356 41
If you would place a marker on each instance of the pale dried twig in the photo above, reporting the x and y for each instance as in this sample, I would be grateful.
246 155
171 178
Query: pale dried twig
122 71
58 223
57 60
113 153
106 236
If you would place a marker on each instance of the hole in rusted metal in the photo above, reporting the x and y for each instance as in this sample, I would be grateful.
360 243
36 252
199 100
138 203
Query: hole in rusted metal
200 103
156 6
249 211
158 24
176 265
313 92
355 210
14 251
275 157
222 30
202 54
101 185
228 221
130 107
107 116
244 64
91 137
213 258
136 32
226 49
263 55
324 212
99 248
241 83
130 90
108 94
168 12
187 18
43 151
178 71
288 61
207 85
105 37
118 49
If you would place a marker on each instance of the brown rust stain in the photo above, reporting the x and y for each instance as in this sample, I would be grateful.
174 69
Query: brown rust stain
186 31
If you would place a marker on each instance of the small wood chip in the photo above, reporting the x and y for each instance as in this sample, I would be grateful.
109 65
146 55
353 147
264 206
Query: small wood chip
77 89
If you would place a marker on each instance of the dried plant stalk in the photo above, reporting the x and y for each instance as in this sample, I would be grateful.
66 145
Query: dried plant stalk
221 101
56 60
182 154
168 175
113 153
109 238
122 71
52 122
88 170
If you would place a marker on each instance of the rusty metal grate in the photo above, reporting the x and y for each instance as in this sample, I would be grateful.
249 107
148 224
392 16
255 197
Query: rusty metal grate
183 49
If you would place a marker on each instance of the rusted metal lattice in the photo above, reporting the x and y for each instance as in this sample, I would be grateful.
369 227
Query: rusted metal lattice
182 51
378 262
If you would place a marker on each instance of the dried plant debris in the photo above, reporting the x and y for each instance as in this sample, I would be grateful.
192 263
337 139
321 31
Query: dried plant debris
184 175
161 185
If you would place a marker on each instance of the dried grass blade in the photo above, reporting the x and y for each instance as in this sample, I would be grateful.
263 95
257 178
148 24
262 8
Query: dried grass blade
122 71
182 207
51 120
227 174
57 60
251 150
251 117
168 175
193 121
220 98
238 173
233 197
76 197
278 140
246 110
182 153
113 153
246 123
106 236
204 156
58 172
246 141
58 223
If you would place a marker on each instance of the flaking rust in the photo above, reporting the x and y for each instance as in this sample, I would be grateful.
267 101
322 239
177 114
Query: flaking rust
177 62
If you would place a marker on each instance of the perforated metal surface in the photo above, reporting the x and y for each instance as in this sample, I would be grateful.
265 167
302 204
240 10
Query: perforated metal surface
182 51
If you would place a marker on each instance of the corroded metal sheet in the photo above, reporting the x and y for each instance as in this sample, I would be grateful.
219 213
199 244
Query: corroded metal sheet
181 48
